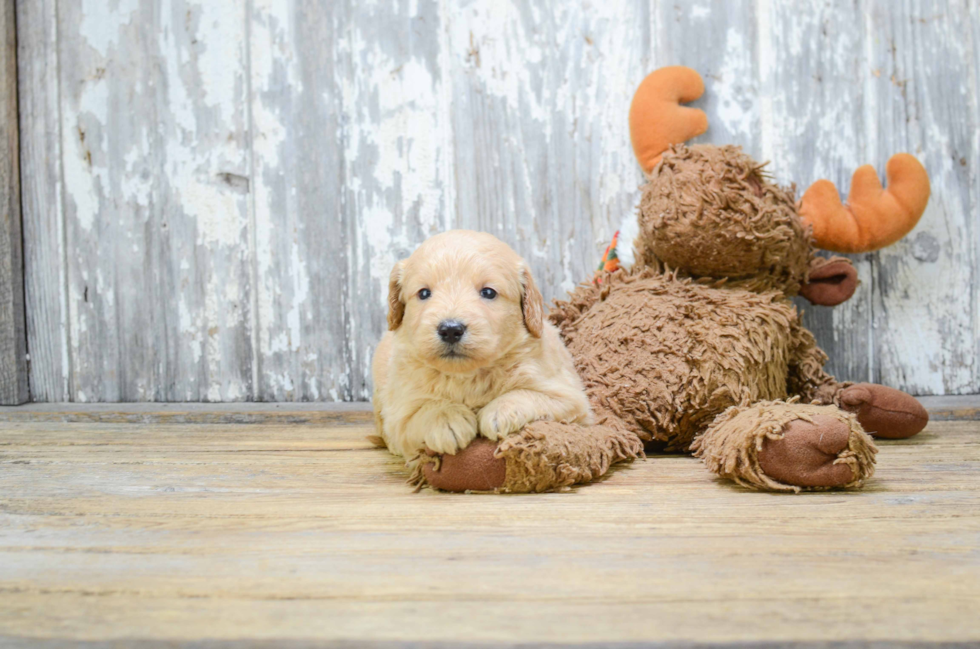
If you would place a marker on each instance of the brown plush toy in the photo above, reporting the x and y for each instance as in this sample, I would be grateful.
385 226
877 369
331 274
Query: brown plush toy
697 347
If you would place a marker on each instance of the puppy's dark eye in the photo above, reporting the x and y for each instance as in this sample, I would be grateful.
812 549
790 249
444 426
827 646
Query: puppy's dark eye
425 294
488 293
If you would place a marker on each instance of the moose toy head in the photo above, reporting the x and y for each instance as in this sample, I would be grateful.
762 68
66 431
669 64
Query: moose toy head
712 212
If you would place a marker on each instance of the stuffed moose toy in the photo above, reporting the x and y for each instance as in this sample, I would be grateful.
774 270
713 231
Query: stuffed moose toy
697 346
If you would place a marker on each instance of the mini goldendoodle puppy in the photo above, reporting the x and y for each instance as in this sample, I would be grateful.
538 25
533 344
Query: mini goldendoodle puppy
468 351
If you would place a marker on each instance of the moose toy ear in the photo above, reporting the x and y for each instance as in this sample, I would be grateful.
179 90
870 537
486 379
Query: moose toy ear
532 304
396 306
657 120
830 282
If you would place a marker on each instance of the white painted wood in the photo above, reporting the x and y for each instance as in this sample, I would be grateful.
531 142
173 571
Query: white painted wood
155 166
300 234
542 154
251 170
924 91
719 39
398 156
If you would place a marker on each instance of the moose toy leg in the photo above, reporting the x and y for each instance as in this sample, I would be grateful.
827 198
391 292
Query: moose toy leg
784 446
886 413
542 456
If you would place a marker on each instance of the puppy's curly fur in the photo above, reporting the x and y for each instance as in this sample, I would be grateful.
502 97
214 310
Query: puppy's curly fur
506 369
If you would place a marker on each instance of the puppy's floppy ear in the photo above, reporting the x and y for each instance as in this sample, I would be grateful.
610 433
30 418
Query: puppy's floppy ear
396 306
532 304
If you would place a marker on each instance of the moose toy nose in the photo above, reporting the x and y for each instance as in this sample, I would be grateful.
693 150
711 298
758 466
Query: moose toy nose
451 330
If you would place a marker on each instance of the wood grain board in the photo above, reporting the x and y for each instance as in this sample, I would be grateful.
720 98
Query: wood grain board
13 333
947 408
215 191
271 533
45 274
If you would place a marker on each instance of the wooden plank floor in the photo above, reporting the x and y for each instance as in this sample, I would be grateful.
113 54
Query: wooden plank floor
276 531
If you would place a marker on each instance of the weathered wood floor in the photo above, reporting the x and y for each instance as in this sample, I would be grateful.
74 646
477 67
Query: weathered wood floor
275 531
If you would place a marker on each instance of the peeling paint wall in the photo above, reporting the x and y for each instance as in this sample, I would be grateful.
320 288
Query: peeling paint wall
215 190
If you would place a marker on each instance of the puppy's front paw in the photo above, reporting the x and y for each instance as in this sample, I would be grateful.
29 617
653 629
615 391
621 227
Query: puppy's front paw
500 418
450 429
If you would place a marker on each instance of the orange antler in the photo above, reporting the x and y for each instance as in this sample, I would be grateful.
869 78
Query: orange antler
657 120
873 217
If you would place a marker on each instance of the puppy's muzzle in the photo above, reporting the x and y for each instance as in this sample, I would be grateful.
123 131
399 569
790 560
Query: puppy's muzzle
451 331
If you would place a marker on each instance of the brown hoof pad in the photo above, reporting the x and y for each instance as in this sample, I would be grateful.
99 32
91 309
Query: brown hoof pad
805 455
884 413
474 468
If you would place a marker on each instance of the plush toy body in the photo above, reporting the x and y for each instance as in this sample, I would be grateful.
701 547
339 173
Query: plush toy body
697 346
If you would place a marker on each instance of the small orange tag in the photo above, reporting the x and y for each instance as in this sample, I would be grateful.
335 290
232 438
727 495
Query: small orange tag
610 260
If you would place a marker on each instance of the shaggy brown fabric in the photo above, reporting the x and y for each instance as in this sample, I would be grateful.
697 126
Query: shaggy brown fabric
661 356
546 455
732 444
713 212
543 456
808 380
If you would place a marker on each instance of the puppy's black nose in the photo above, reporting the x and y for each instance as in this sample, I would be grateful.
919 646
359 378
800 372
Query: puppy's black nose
451 331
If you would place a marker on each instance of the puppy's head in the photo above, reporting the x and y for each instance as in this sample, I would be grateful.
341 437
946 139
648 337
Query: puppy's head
463 300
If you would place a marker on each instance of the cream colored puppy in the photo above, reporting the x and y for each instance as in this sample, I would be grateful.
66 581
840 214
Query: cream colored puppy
468 351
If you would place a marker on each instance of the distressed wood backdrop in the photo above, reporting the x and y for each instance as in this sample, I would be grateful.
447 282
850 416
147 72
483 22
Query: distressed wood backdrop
214 191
